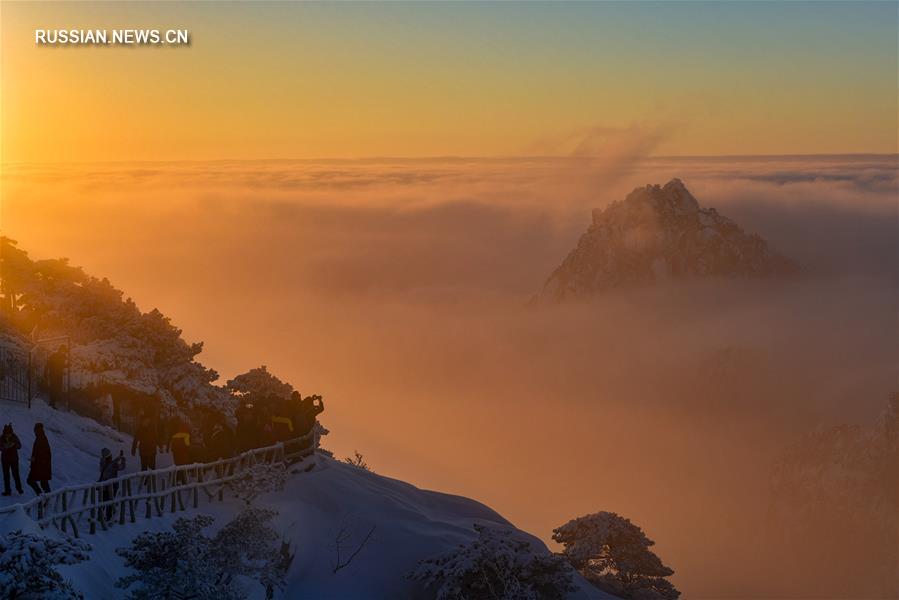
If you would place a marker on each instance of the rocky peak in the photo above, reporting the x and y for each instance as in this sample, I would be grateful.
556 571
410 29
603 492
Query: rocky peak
660 232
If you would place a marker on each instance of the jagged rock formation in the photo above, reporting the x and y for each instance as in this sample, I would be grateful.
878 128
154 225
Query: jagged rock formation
659 232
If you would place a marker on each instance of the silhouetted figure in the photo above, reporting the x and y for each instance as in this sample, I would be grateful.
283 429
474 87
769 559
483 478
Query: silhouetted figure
9 456
282 421
146 441
54 372
109 469
221 442
179 446
40 473
294 408
246 433
265 433
309 409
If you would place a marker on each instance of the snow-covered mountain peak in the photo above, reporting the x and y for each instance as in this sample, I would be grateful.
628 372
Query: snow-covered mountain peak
659 232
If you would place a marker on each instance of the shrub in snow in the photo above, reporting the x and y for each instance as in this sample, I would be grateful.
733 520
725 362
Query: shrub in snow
27 561
176 564
258 479
613 554
249 547
186 563
357 461
496 566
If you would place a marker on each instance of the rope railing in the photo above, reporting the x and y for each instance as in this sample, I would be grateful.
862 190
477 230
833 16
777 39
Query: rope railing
86 506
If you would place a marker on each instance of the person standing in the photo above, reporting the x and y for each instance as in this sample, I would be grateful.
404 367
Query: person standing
9 455
221 446
221 442
179 446
109 469
55 375
309 409
146 439
246 426
40 473
282 423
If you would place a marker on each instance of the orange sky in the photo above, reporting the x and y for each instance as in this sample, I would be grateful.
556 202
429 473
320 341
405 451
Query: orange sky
273 80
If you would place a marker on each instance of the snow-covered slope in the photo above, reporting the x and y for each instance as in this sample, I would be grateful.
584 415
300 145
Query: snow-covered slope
315 507
75 441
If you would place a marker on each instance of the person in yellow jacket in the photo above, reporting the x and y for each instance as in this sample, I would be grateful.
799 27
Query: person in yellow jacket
179 446
282 427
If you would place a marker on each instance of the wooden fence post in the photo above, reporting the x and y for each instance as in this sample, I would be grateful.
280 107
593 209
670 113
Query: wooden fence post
93 512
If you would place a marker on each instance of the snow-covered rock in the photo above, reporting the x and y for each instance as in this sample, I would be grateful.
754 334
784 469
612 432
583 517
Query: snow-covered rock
658 233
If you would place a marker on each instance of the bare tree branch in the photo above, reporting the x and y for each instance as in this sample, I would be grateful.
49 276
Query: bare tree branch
344 536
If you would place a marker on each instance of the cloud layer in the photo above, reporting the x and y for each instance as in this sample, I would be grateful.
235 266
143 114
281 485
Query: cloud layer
397 288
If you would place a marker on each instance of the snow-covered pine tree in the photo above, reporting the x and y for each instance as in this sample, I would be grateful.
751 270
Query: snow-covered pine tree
258 479
496 566
258 385
27 566
176 564
113 344
248 547
613 554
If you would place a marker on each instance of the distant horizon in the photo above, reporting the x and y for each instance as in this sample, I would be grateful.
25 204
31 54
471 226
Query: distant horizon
461 157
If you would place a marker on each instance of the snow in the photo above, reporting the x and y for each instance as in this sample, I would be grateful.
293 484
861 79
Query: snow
655 233
75 442
332 501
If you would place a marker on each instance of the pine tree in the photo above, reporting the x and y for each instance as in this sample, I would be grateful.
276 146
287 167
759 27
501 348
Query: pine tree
496 566
247 546
27 561
176 565
258 479
613 553
258 385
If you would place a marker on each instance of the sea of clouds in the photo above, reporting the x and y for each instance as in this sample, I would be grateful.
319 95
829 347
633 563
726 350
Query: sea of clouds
398 289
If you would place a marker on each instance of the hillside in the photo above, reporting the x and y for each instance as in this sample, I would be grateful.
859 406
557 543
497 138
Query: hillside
409 524
659 233
114 347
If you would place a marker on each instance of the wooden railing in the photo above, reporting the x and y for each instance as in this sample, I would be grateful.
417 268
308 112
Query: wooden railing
149 494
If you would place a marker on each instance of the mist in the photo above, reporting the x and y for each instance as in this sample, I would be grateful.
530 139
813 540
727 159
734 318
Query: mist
398 290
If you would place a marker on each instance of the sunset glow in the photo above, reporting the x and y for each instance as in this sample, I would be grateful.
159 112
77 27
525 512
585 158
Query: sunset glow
565 263
468 79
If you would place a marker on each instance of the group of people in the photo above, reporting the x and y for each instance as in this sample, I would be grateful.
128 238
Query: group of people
274 420
39 473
